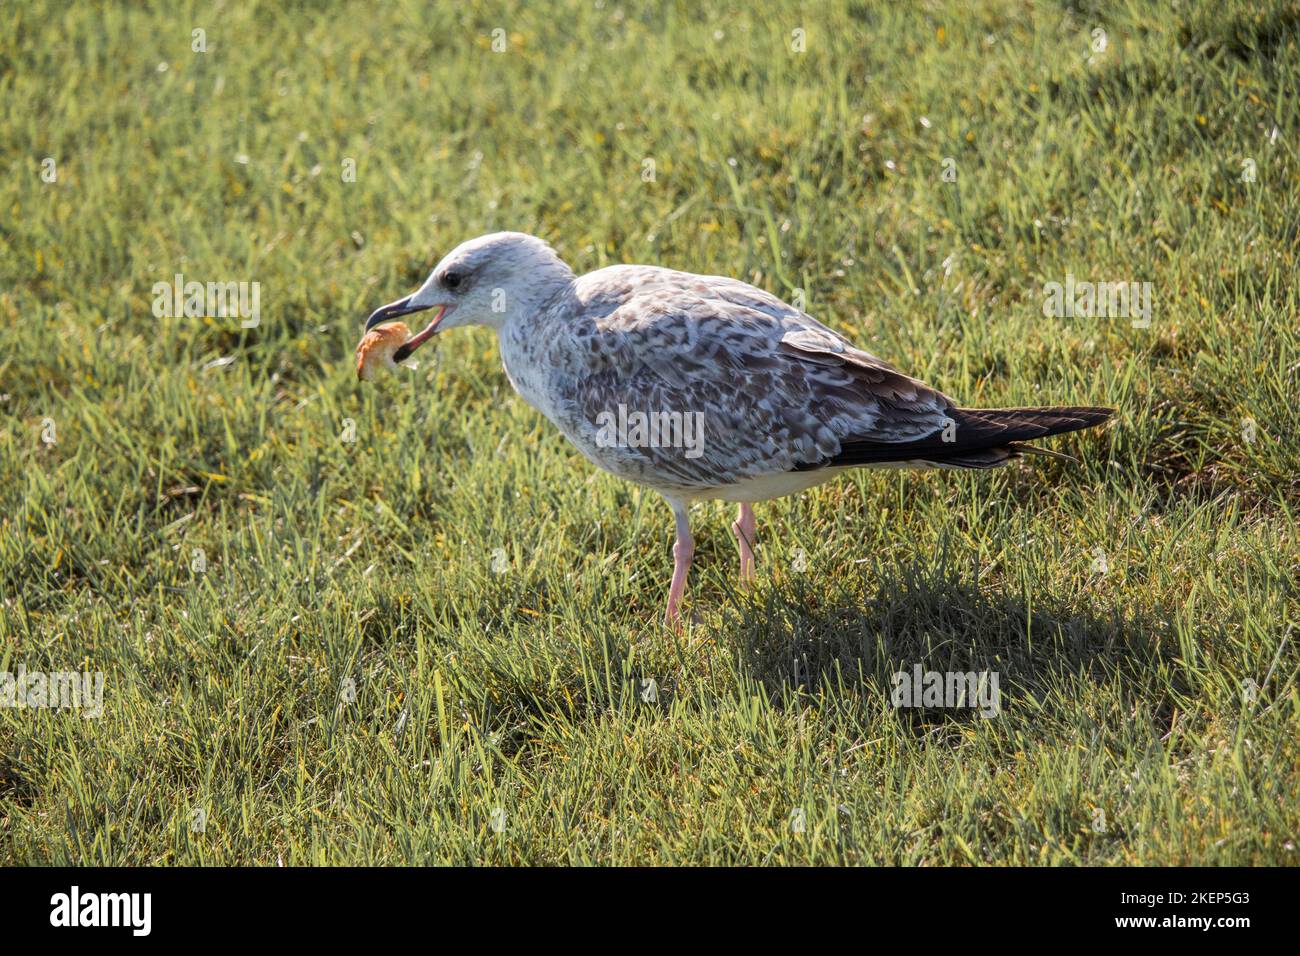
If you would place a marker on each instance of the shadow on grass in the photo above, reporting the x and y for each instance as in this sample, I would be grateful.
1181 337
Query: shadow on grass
15 786
800 638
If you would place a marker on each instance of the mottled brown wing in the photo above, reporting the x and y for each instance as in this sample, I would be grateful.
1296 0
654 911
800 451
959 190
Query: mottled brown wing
777 390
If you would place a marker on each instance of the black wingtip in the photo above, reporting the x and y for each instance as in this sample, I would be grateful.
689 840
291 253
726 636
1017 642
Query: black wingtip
982 437
1026 424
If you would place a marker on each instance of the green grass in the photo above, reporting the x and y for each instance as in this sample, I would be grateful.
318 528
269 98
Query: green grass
372 561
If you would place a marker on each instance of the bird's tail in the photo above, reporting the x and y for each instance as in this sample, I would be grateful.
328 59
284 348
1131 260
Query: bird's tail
978 437
993 436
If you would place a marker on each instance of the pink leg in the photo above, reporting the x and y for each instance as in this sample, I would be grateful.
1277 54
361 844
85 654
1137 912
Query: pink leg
683 551
746 530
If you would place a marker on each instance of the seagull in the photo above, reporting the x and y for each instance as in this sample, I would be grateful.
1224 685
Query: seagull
704 387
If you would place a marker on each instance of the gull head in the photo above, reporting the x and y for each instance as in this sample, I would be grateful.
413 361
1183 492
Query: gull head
490 281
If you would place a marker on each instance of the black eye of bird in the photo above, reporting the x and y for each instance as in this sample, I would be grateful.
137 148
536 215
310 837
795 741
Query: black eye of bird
452 280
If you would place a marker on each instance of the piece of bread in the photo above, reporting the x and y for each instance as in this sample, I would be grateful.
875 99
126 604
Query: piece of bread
376 348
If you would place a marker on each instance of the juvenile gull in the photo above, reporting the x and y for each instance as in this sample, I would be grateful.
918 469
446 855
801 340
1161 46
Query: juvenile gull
757 399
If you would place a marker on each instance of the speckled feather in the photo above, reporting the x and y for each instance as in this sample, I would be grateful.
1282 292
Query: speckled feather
778 390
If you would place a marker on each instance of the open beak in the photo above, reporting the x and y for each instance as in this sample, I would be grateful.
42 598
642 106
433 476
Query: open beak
395 310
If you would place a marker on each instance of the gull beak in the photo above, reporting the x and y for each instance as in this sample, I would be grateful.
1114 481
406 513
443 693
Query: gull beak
395 310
